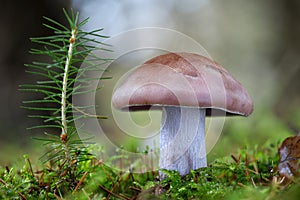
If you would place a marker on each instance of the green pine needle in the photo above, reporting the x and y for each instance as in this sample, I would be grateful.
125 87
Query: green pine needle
65 50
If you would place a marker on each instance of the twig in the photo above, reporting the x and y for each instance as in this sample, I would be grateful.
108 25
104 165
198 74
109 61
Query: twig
127 198
237 160
30 167
111 193
57 197
135 189
241 184
7 169
2 181
253 182
81 181
22 196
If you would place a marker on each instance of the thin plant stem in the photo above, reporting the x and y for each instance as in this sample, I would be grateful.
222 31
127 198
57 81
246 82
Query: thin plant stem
65 82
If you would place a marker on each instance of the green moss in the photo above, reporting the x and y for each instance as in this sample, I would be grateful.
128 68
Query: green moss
250 174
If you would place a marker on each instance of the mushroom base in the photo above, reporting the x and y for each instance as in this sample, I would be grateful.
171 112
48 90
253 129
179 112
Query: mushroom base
182 139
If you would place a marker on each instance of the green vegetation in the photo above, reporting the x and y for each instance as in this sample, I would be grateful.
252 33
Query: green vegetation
70 171
251 174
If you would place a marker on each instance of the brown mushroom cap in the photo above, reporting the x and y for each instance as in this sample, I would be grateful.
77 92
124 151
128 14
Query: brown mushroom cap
182 79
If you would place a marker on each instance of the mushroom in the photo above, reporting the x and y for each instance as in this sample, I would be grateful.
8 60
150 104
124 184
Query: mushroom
187 87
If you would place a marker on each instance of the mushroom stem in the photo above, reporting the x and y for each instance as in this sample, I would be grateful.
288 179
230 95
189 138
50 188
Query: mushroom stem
182 139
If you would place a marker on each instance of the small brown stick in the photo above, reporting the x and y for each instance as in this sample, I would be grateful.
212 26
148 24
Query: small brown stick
7 169
2 181
111 193
57 197
81 181
135 189
255 172
127 198
240 184
237 160
30 167
22 196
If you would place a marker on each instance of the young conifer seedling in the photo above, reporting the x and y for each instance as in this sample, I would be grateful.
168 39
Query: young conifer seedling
65 50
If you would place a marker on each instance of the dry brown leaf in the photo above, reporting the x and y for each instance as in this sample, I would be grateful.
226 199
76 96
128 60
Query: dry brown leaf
289 153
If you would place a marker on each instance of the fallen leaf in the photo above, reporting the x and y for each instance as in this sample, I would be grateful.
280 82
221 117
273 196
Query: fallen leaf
289 153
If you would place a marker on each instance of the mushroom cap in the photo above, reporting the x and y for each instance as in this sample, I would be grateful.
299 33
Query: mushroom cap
182 79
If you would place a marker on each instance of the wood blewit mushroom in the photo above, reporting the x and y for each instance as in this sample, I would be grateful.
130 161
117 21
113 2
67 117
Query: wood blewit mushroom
187 87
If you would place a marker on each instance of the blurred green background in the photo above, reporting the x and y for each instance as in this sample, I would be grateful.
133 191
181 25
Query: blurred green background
257 41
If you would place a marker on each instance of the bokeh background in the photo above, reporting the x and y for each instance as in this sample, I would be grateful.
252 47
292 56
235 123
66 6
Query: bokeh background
257 41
